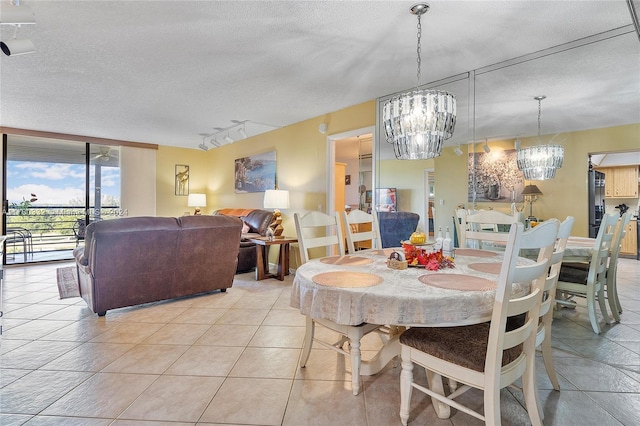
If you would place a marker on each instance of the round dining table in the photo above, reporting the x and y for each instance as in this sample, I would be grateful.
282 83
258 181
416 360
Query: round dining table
456 296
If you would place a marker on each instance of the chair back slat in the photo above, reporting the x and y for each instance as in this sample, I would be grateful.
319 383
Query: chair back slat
358 218
317 229
483 226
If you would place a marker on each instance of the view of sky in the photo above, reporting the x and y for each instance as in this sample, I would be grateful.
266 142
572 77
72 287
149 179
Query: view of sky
56 184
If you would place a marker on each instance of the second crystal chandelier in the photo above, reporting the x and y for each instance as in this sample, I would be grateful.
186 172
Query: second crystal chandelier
417 123
540 162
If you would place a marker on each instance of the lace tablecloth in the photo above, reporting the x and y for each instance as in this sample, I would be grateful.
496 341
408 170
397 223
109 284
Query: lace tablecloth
401 299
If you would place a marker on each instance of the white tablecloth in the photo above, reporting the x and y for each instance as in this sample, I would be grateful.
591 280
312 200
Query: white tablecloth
401 299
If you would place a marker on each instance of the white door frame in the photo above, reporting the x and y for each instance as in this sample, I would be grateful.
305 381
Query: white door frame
331 161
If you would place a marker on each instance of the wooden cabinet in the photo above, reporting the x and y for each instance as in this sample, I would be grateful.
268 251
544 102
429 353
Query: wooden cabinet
620 182
630 241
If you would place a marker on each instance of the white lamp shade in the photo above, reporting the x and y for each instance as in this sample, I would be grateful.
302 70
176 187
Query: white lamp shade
276 199
197 200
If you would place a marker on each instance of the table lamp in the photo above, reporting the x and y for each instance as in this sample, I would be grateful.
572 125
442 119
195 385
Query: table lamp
531 193
197 201
276 199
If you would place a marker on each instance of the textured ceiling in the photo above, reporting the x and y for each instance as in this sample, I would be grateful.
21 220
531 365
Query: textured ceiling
164 71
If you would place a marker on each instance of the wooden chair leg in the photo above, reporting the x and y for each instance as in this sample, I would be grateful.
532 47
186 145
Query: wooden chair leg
406 388
307 342
591 308
548 361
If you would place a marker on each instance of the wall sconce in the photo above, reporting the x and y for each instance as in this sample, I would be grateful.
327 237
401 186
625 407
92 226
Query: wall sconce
197 201
322 128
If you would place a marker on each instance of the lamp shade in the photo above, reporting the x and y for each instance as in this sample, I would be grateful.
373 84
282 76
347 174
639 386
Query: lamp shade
531 190
276 199
197 200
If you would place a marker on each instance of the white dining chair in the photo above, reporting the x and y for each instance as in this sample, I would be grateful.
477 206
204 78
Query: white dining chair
484 356
360 227
611 288
589 280
543 335
482 227
319 230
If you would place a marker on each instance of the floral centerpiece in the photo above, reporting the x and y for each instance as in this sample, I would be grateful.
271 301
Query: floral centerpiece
433 261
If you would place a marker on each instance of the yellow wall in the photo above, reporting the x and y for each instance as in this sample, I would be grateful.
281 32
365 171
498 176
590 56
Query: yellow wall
301 156
565 195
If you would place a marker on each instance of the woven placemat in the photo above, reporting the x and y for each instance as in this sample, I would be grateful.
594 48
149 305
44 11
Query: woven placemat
458 282
475 252
346 260
490 268
347 279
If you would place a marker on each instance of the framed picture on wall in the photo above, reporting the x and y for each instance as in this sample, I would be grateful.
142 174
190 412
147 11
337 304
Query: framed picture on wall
386 200
255 173
182 179
494 177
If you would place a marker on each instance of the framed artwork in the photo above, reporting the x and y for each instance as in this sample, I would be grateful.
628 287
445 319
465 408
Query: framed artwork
494 177
386 200
367 196
182 179
255 173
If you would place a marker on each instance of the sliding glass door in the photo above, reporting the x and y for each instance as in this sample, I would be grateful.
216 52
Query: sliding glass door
52 189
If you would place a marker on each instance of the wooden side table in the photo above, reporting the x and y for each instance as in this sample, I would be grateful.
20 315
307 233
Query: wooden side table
262 248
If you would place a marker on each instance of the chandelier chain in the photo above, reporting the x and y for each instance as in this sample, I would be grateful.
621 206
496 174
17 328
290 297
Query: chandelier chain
539 115
418 50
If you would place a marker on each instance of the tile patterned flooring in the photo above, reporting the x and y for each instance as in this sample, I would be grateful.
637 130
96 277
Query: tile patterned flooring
231 358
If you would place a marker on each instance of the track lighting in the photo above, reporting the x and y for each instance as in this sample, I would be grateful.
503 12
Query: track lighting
14 14
458 151
241 131
203 146
17 46
486 147
517 144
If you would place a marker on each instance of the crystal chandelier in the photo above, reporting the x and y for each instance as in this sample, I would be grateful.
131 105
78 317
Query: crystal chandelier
418 122
539 162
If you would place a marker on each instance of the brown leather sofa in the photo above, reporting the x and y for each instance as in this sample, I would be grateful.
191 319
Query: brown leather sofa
135 260
256 222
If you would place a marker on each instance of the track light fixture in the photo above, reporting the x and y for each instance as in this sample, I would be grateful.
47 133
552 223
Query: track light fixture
486 147
203 146
13 14
227 139
458 151
517 144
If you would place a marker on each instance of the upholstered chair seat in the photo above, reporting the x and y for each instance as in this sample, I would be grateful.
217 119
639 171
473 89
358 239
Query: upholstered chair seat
466 347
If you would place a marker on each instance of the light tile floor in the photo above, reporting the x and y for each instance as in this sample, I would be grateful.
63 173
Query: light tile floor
231 358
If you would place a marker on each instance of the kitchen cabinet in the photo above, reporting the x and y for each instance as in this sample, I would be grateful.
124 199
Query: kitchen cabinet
629 244
620 182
